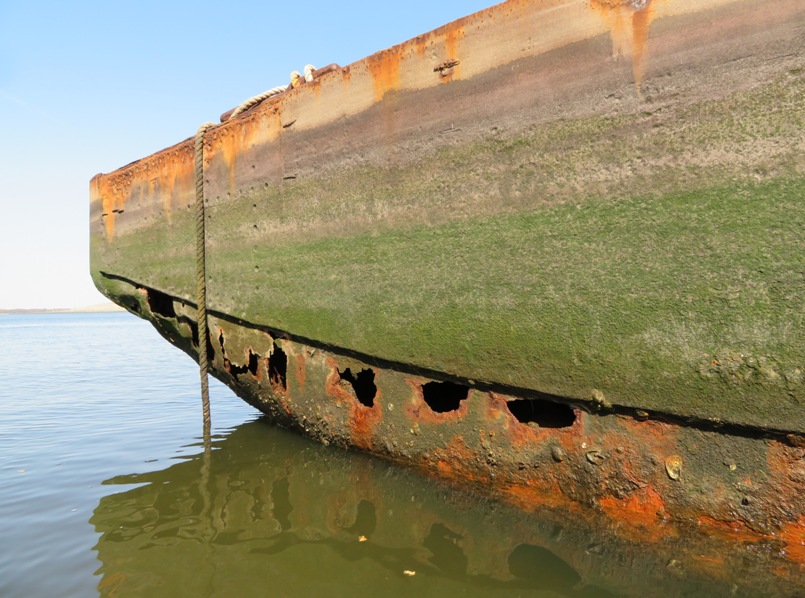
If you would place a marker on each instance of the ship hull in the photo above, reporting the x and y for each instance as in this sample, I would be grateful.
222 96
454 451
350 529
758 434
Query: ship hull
551 251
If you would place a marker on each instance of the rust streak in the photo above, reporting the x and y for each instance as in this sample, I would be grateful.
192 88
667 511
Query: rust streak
385 70
732 530
452 38
455 462
641 513
363 420
629 22
793 535
547 494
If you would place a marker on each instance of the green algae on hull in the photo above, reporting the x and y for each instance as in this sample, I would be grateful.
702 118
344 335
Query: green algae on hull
659 303
554 230
667 276
529 275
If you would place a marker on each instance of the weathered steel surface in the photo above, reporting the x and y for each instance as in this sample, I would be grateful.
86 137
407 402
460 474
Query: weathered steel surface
590 208
535 219
649 479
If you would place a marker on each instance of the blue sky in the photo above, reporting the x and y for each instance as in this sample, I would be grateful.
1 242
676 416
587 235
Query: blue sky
87 87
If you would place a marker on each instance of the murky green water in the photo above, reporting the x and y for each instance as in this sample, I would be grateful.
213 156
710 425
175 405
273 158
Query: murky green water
269 509
106 488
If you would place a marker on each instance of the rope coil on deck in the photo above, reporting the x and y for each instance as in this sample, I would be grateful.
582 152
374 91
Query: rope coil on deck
201 277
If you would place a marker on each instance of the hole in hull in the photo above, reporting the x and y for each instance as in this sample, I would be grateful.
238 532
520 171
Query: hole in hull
278 368
161 304
363 384
444 397
253 361
546 414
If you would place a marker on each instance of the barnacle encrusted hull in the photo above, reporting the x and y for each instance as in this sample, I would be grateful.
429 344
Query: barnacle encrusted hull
551 249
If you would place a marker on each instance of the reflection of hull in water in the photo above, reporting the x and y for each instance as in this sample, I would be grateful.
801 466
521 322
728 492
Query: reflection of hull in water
267 507
506 254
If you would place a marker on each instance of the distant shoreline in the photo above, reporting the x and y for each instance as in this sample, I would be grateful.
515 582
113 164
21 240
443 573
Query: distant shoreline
91 309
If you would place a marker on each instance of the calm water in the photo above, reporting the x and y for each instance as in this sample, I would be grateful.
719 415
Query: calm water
105 488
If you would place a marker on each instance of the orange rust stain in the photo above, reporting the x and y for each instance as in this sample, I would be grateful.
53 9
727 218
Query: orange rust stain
157 180
421 45
793 535
633 449
546 493
454 462
385 70
229 146
496 410
629 22
261 125
332 386
453 36
734 530
363 420
643 510
445 469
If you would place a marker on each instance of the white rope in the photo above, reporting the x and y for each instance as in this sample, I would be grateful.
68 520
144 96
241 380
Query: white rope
295 81
257 99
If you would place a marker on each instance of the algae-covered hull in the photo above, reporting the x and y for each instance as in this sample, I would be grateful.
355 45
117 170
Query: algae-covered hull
553 249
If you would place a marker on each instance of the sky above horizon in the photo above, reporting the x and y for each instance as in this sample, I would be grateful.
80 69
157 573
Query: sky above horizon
87 87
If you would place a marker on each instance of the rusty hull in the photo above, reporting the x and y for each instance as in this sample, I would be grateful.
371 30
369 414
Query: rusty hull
645 480
704 444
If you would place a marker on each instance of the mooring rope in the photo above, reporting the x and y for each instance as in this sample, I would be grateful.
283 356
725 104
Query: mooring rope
201 245
201 279
253 101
